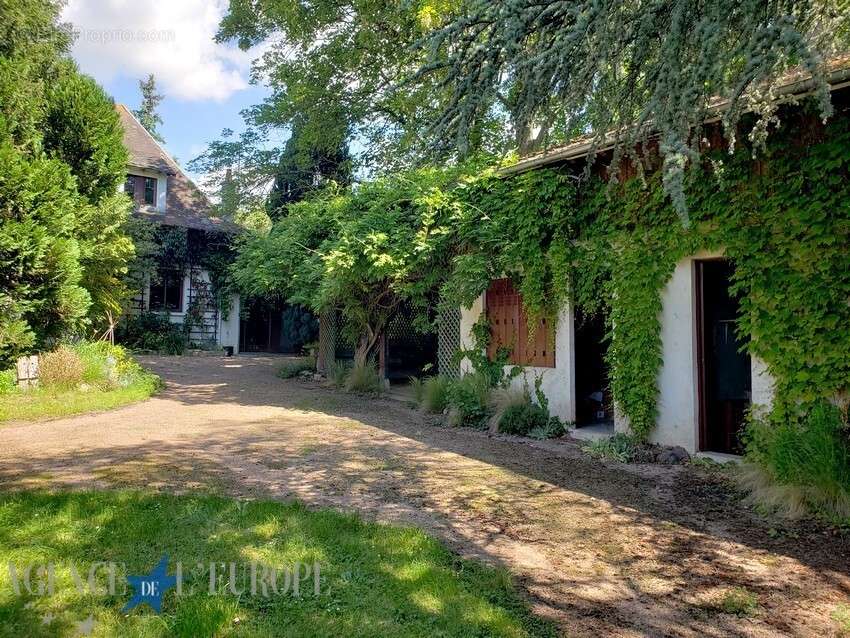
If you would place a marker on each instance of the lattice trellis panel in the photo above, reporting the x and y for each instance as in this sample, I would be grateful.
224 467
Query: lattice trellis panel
448 342
203 308
326 355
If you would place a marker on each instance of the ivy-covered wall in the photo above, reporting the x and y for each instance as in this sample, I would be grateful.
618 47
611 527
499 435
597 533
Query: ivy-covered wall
783 218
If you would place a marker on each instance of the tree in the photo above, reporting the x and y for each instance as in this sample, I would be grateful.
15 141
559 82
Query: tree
630 70
147 113
63 249
301 171
366 254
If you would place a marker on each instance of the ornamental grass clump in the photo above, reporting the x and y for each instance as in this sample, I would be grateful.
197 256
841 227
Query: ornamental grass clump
434 394
63 368
364 379
801 464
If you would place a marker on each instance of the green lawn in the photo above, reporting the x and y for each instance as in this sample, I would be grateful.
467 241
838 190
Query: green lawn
376 580
46 403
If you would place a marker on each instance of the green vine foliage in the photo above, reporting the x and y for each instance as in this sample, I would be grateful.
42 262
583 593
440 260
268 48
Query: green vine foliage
173 247
783 219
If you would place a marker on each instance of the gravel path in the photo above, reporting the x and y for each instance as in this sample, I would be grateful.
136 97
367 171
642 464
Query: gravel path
602 548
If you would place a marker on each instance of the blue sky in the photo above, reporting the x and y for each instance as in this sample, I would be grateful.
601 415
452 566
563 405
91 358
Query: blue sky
205 83
189 125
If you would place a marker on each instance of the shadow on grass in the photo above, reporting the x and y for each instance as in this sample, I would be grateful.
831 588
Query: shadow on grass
376 580
647 559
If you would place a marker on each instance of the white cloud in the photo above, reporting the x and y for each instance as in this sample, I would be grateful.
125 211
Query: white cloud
173 39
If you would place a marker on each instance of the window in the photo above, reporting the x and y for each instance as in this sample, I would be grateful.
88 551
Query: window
509 328
167 291
150 191
141 189
130 186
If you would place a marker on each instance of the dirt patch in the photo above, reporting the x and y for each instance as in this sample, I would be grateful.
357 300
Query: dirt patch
604 549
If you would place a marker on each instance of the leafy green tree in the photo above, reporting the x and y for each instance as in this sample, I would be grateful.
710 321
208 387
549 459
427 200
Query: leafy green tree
340 74
301 171
147 112
62 239
366 254
334 68
631 70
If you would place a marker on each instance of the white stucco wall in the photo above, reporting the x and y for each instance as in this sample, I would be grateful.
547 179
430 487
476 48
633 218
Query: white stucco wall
678 404
557 382
228 329
678 395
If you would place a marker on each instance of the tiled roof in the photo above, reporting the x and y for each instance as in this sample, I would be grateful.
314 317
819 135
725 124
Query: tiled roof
185 204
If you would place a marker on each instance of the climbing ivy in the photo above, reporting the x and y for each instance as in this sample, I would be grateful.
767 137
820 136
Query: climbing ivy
783 219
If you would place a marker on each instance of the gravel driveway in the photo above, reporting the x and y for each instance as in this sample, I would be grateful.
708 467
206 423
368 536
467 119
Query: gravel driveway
604 549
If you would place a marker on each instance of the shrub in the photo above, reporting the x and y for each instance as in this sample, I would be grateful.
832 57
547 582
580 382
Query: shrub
364 379
435 394
619 447
62 368
107 366
801 463
8 379
295 367
151 331
552 430
468 400
521 419
338 373
514 412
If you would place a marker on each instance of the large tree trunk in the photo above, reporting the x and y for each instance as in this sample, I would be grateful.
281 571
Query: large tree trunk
366 346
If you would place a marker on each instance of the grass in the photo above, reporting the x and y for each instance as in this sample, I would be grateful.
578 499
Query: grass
738 601
841 617
45 403
800 464
364 379
293 368
84 377
376 580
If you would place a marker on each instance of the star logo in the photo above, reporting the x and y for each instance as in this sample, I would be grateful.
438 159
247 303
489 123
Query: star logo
150 588
85 627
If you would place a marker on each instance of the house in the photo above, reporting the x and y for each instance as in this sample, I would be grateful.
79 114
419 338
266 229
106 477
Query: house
707 381
180 288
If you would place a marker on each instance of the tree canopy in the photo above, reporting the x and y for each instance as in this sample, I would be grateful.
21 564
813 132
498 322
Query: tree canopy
63 249
630 70
365 254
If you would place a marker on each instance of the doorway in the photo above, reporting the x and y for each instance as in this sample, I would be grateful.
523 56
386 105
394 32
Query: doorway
272 326
724 371
593 393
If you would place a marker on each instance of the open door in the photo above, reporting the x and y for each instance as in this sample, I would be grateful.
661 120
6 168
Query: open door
725 376
593 394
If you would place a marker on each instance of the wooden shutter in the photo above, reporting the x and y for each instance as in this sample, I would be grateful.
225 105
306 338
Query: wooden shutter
509 328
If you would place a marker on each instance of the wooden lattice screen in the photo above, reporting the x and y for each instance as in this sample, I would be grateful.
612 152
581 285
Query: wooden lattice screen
509 328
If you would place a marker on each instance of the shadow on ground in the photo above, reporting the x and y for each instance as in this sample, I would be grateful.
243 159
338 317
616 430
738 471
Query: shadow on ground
601 548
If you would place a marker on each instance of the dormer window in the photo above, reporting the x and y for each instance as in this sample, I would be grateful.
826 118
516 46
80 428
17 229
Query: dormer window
141 189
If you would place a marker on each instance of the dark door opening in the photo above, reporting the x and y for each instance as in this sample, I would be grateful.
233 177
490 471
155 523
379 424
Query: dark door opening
272 326
725 377
593 393
408 352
